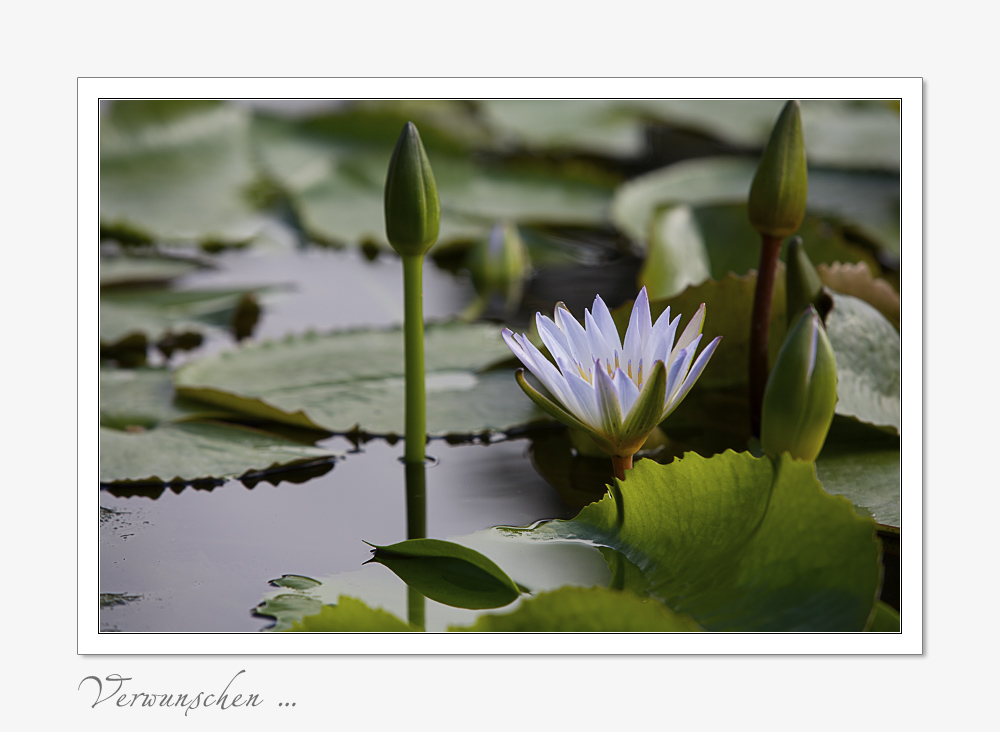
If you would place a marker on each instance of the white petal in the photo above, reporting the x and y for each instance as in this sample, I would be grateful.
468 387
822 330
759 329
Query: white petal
553 338
584 395
661 338
628 392
692 330
576 336
607 401
684 358
599 348
548 374
693 375
639 325
602 316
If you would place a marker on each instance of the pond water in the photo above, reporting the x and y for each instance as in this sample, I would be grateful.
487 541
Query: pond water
200 560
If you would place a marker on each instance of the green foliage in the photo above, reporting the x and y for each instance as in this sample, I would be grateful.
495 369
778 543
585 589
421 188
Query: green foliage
585 610
739 544
340 381
448 573
349 615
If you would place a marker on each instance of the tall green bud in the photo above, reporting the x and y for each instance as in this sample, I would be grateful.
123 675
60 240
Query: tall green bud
777 202
801 393
412 208
802 283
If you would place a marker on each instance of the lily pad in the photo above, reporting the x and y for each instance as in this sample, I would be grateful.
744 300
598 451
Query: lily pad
194 451
868 202
738 543
350 615
155 312
848 133
857 280
448 573
346 380
867 348
585 610
688 246
145 270
149 436
177 170
605 127
862 464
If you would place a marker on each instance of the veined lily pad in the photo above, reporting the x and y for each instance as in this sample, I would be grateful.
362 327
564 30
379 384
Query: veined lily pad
346 380
738 543
585 610
868 362
148 436
349 615
177 170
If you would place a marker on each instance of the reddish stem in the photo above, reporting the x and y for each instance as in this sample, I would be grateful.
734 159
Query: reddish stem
621 463
760 326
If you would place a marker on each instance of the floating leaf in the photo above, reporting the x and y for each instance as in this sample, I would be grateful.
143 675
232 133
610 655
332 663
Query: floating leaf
349 615
149 436
351 379
848 133
738 543
862 464
605 127
449 573
155 312
857 280
585 610
868 362
132 270
194 451
177 170
868 202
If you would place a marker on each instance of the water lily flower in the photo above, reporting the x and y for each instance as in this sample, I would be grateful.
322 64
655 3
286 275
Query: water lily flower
615 391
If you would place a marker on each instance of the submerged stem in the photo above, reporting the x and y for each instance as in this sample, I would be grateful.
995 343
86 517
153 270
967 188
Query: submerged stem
760 326
413 330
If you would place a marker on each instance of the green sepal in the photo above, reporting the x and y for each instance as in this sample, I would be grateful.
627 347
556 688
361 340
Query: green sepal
557 412
801 393
412 208
779 190
647 412
802 284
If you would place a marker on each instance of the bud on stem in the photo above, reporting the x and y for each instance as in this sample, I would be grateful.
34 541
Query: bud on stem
801 394
412 208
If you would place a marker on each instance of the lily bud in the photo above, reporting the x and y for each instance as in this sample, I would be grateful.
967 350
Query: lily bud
412 208
802 284
500 264
801 392
777 201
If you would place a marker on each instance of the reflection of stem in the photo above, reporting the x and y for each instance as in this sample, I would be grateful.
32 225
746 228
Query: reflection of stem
760 326
413 329
416 528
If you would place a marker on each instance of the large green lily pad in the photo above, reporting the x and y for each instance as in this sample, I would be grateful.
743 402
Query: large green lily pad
346 380
149 436
739 544
585 610
177 170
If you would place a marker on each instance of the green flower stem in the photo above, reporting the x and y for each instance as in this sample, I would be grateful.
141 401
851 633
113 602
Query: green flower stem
413 330
760 326
416 528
